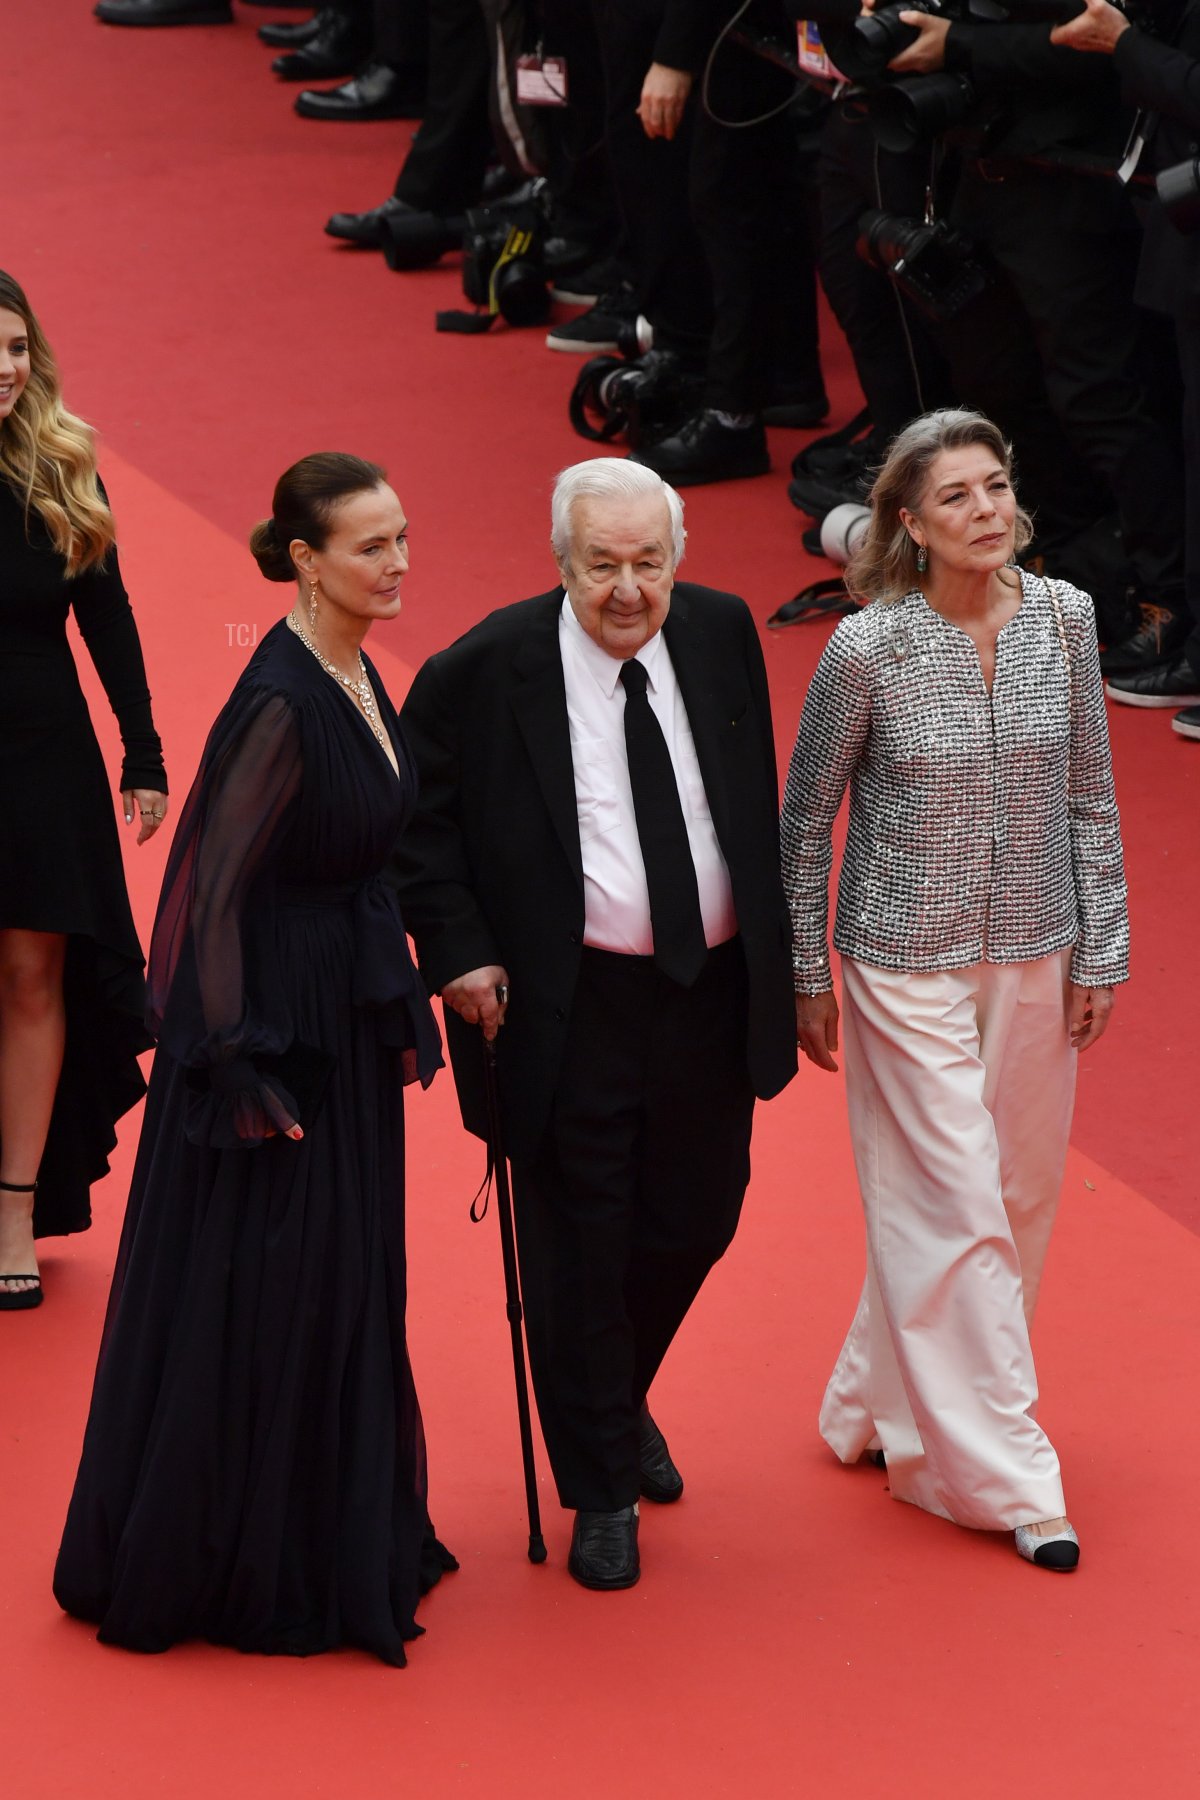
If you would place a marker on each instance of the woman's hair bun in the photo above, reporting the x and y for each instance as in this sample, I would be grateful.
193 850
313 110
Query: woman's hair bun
270 555
306 501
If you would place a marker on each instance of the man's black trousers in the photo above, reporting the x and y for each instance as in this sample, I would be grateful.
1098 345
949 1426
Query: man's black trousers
633 1196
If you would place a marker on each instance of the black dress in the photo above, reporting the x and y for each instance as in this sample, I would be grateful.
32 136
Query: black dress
60 857
253 1469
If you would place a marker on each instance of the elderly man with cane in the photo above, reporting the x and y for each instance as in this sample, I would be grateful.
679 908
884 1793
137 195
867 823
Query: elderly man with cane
593 866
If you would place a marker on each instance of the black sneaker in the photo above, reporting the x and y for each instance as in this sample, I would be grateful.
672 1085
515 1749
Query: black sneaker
614 323
706 449
1178 684
1187 722
584 286
1158 640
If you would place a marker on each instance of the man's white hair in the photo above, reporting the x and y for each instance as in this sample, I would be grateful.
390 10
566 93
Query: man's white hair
609 478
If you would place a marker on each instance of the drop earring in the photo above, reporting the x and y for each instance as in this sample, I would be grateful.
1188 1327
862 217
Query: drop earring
312 607
922 560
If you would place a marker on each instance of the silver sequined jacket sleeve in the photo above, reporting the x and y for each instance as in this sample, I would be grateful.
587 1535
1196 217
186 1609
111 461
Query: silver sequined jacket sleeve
981 827
829 743
1101 957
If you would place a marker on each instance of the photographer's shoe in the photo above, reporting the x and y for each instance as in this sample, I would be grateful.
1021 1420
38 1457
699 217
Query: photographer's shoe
1176 684
337 47
708 448
660 1479
290 34
1187 722
613 323
1158 639
604 1549
370 229
164 12
377 92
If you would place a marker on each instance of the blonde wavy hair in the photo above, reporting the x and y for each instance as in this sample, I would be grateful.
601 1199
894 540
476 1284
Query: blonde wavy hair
884 565
47 455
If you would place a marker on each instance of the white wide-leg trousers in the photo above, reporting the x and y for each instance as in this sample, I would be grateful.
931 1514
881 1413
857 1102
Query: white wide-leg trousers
960 1087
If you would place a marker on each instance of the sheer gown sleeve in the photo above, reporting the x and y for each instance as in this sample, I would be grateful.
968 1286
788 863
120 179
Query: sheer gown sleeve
215 999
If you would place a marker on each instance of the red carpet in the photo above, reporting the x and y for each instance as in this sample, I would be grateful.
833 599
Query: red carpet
795 1633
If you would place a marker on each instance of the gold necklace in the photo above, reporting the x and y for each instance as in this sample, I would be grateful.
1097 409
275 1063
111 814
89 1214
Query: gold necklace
360 689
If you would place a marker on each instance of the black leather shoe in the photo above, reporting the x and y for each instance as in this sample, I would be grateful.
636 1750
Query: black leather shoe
290 34
1187 722
604 1549
164 12
377 92
703 449
409 239
660 1479
337 47
1159 638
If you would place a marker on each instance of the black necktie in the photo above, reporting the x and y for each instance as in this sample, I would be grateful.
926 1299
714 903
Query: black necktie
679 947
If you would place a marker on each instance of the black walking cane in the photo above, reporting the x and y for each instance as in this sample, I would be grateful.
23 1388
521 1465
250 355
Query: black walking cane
512 1295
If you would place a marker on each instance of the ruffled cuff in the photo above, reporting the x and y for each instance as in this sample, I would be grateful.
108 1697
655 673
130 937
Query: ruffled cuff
234 1105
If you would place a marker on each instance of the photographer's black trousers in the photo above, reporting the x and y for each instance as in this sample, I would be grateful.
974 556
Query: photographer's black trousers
650 176
633 1196
750 207
899 369
443 171
1069 246
1187 329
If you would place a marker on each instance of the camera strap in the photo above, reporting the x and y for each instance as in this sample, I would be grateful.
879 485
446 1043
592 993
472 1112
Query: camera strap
519 242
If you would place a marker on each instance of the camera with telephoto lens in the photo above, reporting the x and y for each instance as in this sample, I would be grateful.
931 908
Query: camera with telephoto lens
843 530
1178 190
875 38
906 110
934 265
502 263
641 400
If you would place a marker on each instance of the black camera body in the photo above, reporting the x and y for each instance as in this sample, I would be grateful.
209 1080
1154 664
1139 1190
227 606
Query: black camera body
641 399
502 263
935 265
906 110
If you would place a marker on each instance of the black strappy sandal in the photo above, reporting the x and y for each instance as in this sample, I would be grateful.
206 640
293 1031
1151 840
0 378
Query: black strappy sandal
21 1299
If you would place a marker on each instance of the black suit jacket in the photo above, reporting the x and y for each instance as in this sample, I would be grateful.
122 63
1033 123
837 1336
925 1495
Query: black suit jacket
490 870
1165 79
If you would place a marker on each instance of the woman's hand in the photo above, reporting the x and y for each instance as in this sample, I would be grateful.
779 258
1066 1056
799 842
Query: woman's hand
293 1131
1096 29
480 997
149 806
817 1028
664 96
1089 1014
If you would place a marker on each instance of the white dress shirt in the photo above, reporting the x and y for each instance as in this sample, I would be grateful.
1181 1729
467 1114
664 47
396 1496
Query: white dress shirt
617 904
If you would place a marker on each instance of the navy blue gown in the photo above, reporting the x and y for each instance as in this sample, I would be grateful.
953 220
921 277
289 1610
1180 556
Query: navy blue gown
253 1469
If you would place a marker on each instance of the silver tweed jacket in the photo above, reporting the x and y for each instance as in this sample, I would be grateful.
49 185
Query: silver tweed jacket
982 828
